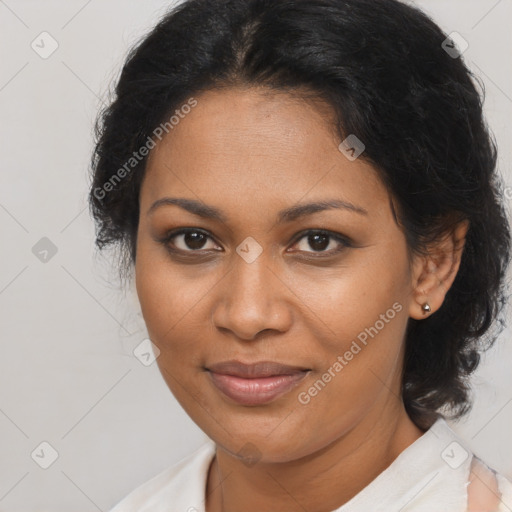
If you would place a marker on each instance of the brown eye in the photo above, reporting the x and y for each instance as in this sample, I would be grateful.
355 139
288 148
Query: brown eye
187 240
319 241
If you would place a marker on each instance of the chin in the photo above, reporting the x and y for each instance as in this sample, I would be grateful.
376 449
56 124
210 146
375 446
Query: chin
262 442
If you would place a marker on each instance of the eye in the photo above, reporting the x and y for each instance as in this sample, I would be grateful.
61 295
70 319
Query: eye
319 240
196 240
187 240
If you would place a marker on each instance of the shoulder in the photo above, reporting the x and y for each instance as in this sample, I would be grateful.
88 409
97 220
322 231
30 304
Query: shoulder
485 490
182 484
488 491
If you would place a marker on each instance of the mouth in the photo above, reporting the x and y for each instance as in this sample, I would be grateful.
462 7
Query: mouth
255 384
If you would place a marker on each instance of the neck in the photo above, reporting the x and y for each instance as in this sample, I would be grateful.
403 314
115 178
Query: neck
322 481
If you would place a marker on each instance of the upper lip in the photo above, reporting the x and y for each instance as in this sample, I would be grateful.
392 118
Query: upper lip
254 370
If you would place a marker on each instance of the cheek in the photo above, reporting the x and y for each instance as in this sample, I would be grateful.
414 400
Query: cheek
360 362
158 291
167 313
371 288
173 302
360 318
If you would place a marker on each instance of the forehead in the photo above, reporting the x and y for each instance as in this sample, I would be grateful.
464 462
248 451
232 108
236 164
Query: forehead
254 144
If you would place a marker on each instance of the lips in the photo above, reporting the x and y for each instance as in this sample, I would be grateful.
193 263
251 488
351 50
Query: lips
255 384
255 370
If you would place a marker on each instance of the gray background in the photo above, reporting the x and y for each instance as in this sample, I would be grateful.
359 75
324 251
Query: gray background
68 375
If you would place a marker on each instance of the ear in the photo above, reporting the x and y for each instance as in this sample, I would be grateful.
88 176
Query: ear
434 273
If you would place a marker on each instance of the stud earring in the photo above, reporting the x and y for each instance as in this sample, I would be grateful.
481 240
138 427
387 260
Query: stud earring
426 308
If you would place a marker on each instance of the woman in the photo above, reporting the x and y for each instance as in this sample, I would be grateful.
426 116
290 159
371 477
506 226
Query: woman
306 192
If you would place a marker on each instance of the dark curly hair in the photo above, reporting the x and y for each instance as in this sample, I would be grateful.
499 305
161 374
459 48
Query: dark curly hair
382 68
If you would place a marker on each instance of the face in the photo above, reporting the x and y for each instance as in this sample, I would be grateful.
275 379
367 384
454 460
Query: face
323 290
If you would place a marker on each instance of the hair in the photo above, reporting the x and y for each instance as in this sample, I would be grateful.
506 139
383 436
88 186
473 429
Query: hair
381 68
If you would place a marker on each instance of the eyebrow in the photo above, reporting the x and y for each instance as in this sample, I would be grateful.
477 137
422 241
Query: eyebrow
287 215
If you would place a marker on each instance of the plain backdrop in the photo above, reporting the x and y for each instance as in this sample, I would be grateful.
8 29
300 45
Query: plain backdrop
68 375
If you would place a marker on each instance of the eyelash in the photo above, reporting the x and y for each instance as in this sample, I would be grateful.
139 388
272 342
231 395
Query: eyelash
344 241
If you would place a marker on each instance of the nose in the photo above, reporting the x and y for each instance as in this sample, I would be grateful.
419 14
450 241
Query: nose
251 299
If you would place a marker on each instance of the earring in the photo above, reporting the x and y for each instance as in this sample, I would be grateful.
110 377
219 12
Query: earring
426 308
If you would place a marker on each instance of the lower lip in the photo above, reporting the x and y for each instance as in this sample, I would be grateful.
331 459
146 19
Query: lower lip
255 391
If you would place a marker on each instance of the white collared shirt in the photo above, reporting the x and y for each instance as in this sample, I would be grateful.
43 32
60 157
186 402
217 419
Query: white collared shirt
430 475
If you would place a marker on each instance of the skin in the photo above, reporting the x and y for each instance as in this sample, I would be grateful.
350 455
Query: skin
251 152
